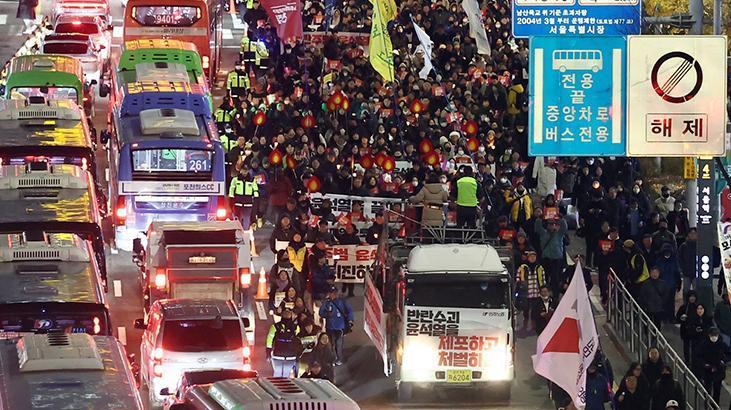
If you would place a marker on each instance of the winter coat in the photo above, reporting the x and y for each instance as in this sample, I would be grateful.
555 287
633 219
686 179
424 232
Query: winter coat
432 196
652 370
722 316
669 270
280 234
552 246
667 389
696 326
709 358
337 314
626 400
687 254
654 294
326 357
597 391
546 178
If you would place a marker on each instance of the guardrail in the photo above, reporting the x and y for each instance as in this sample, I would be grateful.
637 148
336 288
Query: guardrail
633 327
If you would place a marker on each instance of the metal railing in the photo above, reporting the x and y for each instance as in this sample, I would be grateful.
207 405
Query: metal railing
633 327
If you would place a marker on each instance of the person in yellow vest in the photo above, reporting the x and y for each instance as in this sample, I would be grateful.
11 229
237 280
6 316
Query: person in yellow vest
467 193
224 114
637 270
248 53
242 192
529 281
237 83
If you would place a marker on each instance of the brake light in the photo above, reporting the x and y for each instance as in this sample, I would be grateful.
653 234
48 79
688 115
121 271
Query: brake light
157 370
157 354
206 61
247 367
76 23
121 210
160 278
247 351
97 326
245 277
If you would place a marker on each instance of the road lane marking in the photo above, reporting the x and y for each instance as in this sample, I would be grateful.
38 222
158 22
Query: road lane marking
260 310
122 335
117 32
3 19
227 34
117 288
237 23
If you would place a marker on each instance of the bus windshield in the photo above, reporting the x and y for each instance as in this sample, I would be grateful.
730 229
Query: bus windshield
175 16
202 335
50 93
62 317
171 160
476 294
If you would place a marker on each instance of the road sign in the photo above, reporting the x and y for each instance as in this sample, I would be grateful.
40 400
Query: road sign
689 171
576 17
578 97
676 96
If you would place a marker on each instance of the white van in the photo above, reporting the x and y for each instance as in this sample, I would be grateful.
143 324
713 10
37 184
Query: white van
457 328
189 334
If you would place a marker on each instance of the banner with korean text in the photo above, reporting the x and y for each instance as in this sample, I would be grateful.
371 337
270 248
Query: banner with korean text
374 320
343 204
349 262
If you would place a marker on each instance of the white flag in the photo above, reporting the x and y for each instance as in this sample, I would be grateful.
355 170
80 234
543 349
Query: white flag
477 28
567 345
427 45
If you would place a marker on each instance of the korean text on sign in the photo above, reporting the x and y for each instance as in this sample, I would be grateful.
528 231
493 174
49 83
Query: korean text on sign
432 322
464 351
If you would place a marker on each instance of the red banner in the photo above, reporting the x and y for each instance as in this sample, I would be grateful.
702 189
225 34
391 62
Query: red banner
286 16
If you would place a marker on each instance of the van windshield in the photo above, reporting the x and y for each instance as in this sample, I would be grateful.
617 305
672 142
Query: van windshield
202 335
487 294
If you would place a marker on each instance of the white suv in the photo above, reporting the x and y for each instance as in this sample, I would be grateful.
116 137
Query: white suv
189 334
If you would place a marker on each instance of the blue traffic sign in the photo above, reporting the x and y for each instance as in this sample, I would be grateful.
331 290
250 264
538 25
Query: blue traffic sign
576 17
578 96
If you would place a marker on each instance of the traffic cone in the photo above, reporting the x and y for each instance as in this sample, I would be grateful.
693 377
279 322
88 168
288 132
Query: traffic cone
261 290
254 253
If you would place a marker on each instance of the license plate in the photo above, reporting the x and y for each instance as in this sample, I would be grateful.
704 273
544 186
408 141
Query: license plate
459 376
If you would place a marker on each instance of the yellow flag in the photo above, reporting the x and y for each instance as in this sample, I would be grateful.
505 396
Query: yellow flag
380 47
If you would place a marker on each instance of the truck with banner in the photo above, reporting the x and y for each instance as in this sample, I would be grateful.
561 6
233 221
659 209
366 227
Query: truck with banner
441 315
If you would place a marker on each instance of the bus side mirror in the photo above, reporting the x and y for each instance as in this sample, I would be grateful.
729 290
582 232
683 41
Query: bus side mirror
104 90
140 324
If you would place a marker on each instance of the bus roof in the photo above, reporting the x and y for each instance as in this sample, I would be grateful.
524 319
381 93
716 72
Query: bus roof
160 50
70 371
63 193
48 267
185 129
55 124
463 258
140 96
44 69
159 71
265 392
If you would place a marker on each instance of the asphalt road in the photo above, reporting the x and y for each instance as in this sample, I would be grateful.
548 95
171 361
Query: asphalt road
362 376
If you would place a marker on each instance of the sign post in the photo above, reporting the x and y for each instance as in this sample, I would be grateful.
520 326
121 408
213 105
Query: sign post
707 229
577 84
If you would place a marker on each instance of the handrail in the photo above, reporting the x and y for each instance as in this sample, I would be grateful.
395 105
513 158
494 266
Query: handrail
632 325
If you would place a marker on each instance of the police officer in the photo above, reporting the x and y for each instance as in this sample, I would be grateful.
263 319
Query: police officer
224 114
242 191
237 152
237 83
283 346
248 53
467 193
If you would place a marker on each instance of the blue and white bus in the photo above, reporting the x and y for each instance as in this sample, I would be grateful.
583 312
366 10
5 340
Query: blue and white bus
165 160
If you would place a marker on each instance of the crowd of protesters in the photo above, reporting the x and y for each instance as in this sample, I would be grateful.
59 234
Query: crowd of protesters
529 204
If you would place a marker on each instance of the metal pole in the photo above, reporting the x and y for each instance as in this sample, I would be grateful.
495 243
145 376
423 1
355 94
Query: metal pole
695 7
717 11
